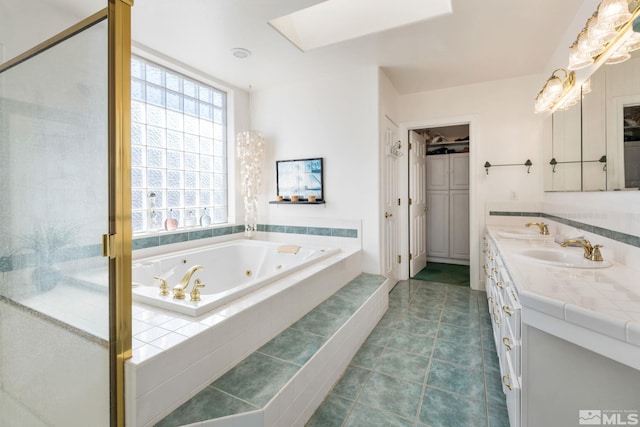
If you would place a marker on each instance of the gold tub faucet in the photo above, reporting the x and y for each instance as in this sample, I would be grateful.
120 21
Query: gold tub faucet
590 252
544 228
178 290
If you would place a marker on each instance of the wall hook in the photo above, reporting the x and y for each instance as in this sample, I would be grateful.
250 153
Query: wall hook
395 148
553 163
487 165
603 159
528 165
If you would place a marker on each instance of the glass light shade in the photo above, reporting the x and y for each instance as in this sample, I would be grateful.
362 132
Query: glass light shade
540 106
250 149
620 55
553 90
600 34
587 46
633 42
613 12
570 100
577 59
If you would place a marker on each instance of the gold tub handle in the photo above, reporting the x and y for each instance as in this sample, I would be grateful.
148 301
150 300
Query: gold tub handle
195 292
164 286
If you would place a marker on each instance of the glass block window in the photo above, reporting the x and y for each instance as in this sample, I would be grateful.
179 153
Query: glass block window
178 149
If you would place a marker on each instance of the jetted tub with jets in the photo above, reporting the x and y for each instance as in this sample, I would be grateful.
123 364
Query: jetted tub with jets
230 270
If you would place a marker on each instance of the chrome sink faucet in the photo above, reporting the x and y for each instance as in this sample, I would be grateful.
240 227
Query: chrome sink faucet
590 252
544 228
179 289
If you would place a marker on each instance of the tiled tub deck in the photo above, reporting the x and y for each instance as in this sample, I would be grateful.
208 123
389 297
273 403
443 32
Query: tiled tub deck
284 381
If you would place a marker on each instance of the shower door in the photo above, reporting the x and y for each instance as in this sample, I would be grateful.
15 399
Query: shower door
58 333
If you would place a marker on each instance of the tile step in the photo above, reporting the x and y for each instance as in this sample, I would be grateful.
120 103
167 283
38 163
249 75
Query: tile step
285 380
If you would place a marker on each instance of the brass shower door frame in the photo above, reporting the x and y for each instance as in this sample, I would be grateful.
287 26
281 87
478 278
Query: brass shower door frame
118 242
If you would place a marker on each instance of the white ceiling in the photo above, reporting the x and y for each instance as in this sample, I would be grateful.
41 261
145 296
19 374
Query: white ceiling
480 41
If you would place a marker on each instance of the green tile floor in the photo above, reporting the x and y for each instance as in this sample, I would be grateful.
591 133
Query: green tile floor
431 361
445 273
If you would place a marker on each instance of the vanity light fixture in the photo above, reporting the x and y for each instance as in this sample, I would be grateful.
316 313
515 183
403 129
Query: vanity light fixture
555 89
606 38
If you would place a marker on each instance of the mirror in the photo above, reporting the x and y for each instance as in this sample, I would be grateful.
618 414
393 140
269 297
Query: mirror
596 144
594 127
563 172
622 135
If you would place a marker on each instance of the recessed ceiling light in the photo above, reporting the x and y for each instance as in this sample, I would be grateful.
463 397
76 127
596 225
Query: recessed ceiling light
240 53
334 21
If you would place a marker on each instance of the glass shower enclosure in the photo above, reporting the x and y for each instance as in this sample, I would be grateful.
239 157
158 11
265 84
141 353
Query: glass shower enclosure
58 332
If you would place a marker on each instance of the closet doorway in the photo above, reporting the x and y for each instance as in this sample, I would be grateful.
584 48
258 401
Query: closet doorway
438 196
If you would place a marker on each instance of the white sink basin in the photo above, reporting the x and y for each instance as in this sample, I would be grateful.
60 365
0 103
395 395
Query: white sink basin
562 258
522 234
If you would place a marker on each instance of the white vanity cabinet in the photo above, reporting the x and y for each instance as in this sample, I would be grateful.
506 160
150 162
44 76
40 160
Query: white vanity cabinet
505 310
448 207
558 359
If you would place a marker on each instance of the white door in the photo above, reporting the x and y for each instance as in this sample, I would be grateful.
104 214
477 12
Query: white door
390 251
418 203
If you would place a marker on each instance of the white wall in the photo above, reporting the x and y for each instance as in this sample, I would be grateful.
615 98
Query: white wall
504 131
335 118
389 98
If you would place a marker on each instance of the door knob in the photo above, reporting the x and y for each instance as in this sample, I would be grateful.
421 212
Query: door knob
388 215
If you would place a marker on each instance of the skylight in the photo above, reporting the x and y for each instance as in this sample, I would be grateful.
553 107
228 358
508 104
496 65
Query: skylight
334 21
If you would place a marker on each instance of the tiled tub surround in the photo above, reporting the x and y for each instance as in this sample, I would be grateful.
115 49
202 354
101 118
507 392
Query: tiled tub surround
175 356
283 382
161 238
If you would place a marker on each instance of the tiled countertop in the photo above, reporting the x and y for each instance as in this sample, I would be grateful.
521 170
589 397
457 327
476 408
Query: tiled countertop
604 300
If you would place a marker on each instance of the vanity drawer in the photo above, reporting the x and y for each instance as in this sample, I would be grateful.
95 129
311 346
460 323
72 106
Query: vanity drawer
512 390
497 318
511 310
509 350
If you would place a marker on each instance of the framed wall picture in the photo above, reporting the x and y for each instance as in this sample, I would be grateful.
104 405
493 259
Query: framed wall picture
300 180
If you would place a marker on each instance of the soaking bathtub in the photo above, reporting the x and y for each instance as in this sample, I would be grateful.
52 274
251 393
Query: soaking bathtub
231 270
